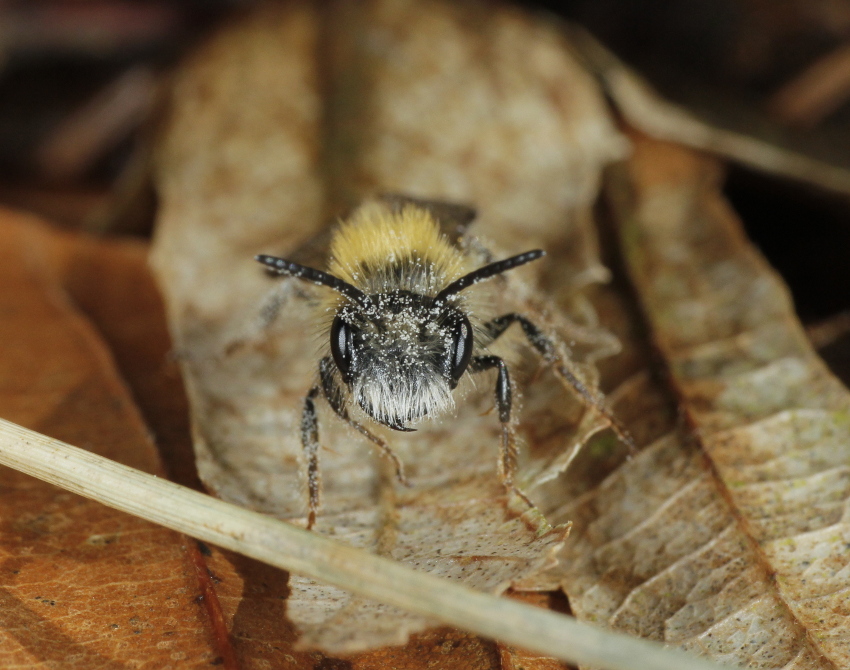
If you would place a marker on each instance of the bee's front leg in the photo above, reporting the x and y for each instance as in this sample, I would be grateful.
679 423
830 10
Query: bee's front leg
336 400
508 460
547 349
310 442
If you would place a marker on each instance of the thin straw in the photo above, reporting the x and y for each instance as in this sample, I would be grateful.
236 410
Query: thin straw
290 548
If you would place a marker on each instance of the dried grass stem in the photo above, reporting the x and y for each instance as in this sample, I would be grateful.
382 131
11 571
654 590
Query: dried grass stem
294 549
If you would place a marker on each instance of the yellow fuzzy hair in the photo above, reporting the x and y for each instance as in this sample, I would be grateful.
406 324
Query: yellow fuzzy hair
370 247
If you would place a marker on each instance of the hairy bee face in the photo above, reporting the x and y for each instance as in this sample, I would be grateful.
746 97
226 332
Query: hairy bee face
402 355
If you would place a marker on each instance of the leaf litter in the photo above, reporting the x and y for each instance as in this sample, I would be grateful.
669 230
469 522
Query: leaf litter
282 123
727 538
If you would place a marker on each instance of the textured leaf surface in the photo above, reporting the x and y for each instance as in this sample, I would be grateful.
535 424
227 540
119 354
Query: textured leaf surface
83 585
771 417
285 121
728 540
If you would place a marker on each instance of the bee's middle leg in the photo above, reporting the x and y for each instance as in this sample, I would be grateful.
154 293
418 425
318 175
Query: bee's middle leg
272 305
310 442
545 346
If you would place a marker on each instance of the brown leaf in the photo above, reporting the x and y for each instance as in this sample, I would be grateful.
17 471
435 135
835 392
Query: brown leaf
265 142
740 557
84 586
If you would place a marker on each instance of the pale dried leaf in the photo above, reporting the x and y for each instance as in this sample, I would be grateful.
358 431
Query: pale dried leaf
740 558
255 159
770 415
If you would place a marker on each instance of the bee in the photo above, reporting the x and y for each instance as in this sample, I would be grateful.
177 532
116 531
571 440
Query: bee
402 333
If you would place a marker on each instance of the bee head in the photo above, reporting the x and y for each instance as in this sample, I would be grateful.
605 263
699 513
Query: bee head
402 355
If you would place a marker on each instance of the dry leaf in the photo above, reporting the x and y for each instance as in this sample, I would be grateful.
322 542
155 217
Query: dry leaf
83 585
741 557
770 415
266 142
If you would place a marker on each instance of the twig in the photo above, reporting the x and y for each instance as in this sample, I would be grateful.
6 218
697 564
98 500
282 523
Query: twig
815 93
291 548
82 138
824 333
647 111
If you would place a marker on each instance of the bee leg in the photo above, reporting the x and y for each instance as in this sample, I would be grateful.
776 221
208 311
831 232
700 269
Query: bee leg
271 307
508 460
310 442
335 399
547 349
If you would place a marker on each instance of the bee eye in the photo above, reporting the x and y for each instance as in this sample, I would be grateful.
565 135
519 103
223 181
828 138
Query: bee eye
342 345
461 350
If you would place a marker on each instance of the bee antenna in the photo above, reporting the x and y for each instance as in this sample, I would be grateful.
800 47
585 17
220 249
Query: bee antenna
290 269
488 271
